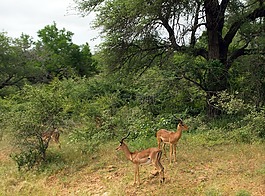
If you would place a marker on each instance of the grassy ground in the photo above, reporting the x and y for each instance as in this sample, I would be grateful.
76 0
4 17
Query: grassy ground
226 169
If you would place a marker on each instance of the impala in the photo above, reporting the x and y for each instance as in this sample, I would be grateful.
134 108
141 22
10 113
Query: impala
168 137
53 135
147 156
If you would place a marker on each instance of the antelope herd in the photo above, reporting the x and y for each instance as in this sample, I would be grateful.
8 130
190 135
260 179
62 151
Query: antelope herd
153 155
147 156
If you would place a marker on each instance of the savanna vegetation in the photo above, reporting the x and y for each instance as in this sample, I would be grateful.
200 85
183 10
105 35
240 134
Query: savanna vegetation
201 61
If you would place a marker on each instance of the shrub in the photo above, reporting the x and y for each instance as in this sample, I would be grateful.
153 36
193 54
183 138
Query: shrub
243 193
255 122
230 104
36 109
26 159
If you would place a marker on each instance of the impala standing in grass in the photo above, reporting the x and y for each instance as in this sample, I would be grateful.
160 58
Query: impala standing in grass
147 156
169 137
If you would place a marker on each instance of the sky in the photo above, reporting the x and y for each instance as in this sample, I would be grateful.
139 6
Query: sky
30 16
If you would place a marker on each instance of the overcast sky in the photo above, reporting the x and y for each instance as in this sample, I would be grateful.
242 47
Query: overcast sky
30 16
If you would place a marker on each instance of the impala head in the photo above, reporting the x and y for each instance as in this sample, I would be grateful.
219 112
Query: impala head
182 126
121 142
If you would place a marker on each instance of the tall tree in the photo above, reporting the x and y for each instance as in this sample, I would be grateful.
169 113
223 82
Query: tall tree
17 62
140 33
60 56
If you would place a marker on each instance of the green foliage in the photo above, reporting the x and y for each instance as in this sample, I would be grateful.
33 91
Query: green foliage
61 57
143 80
23 61
140 143
255 122
26 159
249 80
243 193
230 104
37 110
139 35
250 125
5 108
16 61
235 128
103 107
88 142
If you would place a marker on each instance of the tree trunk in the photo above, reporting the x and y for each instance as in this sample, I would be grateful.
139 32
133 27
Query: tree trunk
217 76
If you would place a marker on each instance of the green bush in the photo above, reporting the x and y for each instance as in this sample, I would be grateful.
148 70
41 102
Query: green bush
231 104
36 109
85 139
255 122
243 193
26 159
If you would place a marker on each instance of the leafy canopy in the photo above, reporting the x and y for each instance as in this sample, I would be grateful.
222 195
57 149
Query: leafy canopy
211 34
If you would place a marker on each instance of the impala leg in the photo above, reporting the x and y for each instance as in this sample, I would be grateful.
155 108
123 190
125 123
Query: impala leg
159 143
159 166
136 174
171 152
164 150
175 152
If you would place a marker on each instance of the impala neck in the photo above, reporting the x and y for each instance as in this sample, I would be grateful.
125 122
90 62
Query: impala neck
179 131
126 151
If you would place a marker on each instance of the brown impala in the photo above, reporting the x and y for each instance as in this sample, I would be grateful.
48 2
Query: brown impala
169 137
147 156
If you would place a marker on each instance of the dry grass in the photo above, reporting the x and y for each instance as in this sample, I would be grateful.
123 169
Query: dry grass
220 170
234 169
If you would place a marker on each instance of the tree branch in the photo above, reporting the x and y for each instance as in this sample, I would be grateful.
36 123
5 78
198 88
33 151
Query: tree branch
200 52
195 25
8 83
5 83
194 82
223 5
237 53
171 33
259 12
221 14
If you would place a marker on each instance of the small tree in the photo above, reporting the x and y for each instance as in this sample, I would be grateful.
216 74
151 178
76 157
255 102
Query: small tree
37 110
